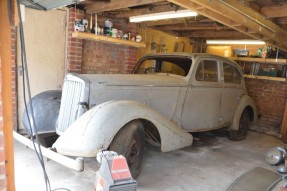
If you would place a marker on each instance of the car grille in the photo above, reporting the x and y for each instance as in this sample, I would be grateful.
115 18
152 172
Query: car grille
73 93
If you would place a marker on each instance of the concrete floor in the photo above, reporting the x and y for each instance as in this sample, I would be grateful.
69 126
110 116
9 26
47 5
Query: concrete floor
213 162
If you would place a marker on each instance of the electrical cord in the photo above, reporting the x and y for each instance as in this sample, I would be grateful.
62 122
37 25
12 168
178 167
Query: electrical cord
31 119
30 115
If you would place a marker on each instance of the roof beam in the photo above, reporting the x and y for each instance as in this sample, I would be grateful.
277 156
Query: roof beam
98 7
214 34
239 17
211 26
184 21
274 11
150 9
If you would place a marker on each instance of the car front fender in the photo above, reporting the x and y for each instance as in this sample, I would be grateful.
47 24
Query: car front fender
244 102
96 128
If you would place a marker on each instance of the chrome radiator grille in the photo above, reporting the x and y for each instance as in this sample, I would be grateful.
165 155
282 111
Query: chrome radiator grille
73 93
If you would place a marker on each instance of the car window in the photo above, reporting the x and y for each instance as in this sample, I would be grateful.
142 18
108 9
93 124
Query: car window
231 74
179 66
207 71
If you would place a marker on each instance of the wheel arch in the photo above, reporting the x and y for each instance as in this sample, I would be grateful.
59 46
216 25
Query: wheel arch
95 130
245 103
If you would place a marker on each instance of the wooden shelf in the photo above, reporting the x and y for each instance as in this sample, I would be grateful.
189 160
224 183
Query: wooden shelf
278 79
260 60
90 36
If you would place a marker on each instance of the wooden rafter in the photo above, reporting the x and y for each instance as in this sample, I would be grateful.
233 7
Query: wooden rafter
274 11
145 10
117 4
214 34
201 26
239 17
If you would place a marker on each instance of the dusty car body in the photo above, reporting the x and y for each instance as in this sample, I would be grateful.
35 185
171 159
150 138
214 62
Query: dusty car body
165 97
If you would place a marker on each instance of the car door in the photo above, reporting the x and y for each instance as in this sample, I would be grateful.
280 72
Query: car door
231 91
201 110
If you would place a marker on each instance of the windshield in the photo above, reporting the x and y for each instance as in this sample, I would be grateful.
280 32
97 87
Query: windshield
172 65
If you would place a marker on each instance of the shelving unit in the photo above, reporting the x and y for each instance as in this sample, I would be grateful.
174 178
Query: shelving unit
278 79
90 36
260 60
263 61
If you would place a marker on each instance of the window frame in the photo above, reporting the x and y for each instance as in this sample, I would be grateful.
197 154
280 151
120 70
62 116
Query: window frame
199 61
235 68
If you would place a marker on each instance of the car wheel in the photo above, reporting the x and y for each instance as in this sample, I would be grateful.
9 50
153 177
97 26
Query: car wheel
129 142
241 133
47 140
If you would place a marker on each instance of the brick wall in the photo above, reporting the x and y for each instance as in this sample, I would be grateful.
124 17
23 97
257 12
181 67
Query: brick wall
101 57
270 98
74 47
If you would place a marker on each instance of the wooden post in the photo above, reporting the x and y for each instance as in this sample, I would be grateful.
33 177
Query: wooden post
6 93
284 126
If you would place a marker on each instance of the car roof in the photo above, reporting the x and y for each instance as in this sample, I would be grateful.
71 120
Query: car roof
193 55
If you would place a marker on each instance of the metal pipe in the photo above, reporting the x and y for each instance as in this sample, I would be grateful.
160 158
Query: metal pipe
75 164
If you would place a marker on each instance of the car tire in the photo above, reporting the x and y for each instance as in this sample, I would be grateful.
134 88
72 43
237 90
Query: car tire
47 140
241 133
129 142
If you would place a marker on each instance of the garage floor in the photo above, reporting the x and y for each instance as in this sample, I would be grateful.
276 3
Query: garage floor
213 162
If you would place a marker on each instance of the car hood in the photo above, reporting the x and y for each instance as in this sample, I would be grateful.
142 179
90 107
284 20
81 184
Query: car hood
136 79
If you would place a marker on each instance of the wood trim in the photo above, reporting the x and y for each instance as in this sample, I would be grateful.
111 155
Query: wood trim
270 78
261 60
284 125
98 7
90 36
6 93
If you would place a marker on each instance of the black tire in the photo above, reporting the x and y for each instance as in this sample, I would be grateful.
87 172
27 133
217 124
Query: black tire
129 142
47 140
241 133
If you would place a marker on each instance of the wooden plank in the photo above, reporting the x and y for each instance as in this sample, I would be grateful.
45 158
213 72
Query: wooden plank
284 125
270 78
274 11
90 36
98 7
215 34
6 93
146 10
256 16
199 26
261 60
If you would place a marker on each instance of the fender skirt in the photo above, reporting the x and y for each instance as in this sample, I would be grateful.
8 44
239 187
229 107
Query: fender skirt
96 128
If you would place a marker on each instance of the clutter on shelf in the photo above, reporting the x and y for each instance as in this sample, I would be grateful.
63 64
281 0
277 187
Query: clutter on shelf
106 29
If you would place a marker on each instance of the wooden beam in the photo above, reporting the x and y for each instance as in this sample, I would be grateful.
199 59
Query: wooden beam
185 21
281 20
193 27
145 10
215 34
274 11
6 94
256 16
229 15
284 126
98 7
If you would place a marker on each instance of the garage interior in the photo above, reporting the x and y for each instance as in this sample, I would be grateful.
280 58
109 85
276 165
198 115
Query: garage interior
56 46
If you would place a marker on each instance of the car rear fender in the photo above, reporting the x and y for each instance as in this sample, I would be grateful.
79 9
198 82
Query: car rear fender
245 102
96 128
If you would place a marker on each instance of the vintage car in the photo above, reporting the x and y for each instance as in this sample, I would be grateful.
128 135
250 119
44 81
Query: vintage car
163 100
